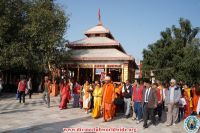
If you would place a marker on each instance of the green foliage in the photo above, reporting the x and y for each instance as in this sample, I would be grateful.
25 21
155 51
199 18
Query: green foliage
175 55
30 33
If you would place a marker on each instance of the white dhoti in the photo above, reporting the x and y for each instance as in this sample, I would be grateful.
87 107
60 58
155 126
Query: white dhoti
86 102
198 106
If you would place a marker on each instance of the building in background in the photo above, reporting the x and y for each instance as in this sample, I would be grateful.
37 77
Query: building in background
98 55
138 72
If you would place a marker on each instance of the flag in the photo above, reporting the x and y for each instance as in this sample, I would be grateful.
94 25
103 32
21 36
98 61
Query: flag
99 14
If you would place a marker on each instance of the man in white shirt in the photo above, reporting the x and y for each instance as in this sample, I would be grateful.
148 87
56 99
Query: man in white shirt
149 100
127 92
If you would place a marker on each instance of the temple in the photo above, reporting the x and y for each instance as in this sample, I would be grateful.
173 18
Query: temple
98 55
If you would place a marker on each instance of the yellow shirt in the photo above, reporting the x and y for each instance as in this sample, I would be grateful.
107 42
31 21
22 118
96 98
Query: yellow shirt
189 96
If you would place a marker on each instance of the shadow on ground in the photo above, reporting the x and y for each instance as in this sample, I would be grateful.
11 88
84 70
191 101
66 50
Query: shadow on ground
55 127
16 111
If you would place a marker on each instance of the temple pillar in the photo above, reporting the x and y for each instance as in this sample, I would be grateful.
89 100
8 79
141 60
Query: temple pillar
105 69
93 72
78 69
125 72
122 73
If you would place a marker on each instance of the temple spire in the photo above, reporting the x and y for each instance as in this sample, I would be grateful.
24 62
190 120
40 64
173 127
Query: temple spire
99 17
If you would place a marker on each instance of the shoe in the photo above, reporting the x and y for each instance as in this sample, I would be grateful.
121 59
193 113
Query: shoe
174 124
145 126
168 125
138 121
133 118
154 124
104 121
126 116
109 119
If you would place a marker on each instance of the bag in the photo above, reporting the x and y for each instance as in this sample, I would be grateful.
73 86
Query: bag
26 91
118 101
17 95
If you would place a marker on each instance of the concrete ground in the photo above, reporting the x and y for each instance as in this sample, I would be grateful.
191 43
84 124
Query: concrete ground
35 117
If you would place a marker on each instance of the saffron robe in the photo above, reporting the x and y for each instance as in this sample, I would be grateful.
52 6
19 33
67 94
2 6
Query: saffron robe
195 99
54 90
97 93
108 99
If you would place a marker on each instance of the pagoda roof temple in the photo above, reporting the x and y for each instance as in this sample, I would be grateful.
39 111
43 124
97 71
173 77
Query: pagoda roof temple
100 48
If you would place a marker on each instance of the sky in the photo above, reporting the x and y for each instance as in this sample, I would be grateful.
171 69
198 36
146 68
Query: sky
134 23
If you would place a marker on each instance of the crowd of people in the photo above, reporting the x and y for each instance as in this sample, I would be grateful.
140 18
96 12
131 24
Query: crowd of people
141 100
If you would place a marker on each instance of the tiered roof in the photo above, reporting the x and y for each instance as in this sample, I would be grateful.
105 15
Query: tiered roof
99 44
99 54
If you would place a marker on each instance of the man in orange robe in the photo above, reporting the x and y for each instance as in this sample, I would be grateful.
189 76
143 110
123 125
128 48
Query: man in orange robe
195 98
108 99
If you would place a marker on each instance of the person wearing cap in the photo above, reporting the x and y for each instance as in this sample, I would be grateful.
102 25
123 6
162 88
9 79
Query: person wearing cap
108 99
172 97
149 102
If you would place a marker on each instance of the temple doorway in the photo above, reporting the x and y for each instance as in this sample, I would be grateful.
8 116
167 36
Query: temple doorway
85 74
115 75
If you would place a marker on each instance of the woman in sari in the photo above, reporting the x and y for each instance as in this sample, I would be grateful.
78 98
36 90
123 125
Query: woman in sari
86 96
188 98
97 94
65 95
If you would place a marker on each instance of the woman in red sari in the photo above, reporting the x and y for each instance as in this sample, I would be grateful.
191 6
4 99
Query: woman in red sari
66 96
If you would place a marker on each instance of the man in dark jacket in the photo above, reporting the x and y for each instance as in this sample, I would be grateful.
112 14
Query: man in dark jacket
127 92
149 101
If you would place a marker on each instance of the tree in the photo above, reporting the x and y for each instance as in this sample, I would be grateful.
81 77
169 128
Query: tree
175 55
30 33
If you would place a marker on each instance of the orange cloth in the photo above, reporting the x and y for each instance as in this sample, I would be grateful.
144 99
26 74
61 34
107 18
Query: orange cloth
86 89
188 107
54 90
117 92
195 99
108 99
66 96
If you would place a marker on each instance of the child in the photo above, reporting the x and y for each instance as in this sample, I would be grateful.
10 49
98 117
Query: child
181 104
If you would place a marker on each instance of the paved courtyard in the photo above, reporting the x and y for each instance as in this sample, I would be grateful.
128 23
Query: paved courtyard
35 117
